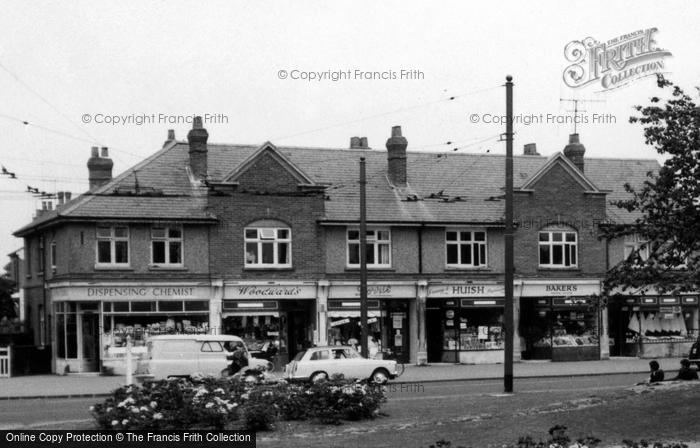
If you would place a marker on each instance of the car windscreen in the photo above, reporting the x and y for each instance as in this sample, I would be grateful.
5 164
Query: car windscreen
300 355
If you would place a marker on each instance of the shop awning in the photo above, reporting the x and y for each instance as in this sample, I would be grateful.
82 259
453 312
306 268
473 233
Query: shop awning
353 313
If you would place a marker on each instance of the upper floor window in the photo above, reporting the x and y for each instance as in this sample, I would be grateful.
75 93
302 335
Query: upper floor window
465 248
52 255
113 245
378 248
268 247
42 254
558 248
166 246
635 243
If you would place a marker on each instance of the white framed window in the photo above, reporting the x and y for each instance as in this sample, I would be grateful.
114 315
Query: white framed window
113 245
558 248
166 246
52 255
465 248
42 254
635 242
378 248
268 247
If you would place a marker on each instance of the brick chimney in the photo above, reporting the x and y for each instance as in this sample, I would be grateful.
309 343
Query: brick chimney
359 143
99 168
171 137
574 151
530 149
396 148
197 138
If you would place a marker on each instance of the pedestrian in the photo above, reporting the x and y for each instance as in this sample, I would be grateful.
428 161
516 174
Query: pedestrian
685 372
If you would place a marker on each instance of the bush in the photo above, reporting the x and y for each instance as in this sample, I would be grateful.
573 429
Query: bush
220 403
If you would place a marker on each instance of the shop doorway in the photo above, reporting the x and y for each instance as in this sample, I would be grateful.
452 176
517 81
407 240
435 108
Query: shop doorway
395 340
433 329
91 339
300 324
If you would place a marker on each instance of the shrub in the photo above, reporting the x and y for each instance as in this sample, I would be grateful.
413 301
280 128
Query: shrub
219 403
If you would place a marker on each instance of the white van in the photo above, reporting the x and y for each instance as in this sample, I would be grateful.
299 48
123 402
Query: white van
187 355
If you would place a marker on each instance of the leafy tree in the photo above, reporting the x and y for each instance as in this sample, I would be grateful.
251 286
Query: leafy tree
7 306
669 200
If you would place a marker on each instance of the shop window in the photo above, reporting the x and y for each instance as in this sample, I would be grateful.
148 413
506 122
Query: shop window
166 246
196 305
261 333
635 244
465 249
170 305
268 247
378 248
113 246
558 248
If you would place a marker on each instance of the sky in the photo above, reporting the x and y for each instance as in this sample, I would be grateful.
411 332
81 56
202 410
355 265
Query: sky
120 74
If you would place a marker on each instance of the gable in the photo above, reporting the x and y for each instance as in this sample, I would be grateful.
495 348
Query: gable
267 170
557 165
557 177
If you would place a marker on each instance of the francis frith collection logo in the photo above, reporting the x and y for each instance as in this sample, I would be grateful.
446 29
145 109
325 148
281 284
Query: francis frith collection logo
614 63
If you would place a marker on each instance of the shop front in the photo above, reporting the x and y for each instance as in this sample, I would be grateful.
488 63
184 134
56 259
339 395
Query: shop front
653 326
561 320
92 324
275 320
388 318
464 323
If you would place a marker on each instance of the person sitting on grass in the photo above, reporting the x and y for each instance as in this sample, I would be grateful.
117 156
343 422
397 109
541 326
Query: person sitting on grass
685 372
656 375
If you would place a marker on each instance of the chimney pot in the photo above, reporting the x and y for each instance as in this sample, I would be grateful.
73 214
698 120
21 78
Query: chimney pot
95 151
355 143
396 131
364 143
60 196
171 134
530 149
105 152
197 123
68 195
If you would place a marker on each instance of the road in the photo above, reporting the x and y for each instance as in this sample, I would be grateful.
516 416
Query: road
447 400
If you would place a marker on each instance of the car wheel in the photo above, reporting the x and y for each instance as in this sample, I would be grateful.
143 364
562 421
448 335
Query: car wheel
319 376
380 376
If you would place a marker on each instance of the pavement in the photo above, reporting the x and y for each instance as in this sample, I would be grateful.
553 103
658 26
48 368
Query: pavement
93 385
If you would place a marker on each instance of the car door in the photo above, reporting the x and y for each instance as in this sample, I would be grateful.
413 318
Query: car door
212 358
319 361
356 365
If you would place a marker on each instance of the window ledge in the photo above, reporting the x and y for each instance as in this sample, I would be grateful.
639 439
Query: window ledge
373 269
467 268
163 267
553 269
112 267
268 268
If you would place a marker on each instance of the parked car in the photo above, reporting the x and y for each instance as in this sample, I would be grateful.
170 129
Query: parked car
186 355
319 363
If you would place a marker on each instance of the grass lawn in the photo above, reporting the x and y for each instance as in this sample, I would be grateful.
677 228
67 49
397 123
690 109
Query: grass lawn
668 412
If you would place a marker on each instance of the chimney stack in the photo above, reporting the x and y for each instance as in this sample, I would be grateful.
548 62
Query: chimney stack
68 195
530 149
396 149
359 143
171 137
197 138
99 168
574 151
60 196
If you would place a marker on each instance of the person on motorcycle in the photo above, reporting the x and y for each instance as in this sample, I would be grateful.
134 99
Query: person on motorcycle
238 358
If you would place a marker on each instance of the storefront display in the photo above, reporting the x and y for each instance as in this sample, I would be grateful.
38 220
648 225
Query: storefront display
261 333
653 326
560 329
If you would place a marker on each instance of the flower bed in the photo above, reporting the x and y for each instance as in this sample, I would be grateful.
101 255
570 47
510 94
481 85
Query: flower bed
222 403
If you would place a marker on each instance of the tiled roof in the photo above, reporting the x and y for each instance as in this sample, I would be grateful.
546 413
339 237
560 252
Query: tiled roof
474 178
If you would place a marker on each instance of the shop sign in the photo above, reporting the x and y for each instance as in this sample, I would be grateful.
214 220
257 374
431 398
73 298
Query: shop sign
482 302
450 314
690 300
560 289
373 291
336 323
475 290
130 292
234 305
483 332
648 300
572 301
668 300
351 305
270 291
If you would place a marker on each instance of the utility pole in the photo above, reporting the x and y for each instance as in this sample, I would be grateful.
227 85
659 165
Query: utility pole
508 309
363 259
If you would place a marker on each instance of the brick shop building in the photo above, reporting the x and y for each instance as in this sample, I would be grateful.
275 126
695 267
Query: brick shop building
263 242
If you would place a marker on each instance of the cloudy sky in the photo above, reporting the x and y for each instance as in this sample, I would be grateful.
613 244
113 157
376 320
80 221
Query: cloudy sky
67 68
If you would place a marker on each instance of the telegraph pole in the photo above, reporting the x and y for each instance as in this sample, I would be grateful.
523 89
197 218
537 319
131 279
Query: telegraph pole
363 260
508 310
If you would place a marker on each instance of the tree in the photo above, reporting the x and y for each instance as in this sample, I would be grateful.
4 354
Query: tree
669 201
7 306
